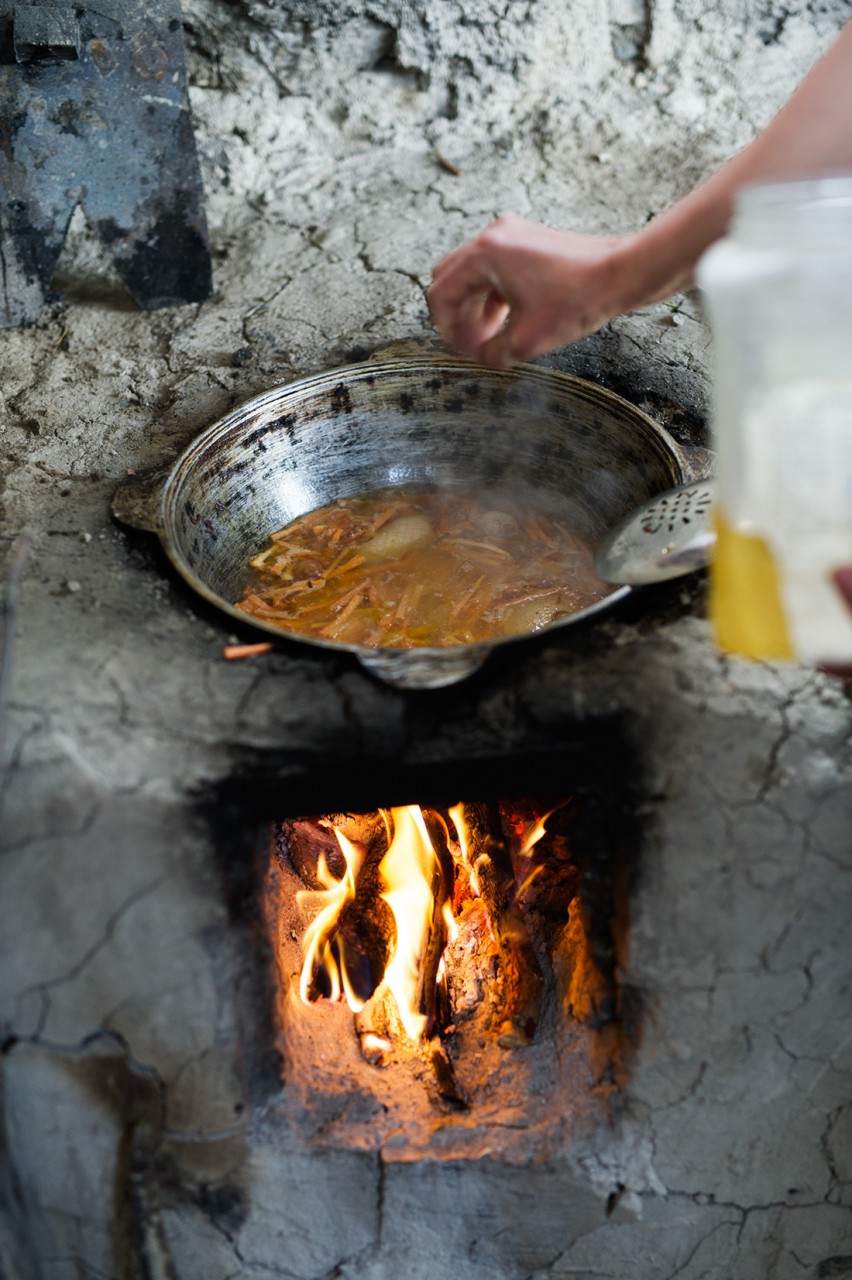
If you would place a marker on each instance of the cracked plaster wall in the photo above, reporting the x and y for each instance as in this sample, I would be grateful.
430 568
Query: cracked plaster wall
132 1143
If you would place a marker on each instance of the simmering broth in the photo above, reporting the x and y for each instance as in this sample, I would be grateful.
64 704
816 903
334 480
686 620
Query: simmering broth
407 568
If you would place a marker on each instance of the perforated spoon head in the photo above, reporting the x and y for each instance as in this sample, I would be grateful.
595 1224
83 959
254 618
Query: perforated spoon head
669 536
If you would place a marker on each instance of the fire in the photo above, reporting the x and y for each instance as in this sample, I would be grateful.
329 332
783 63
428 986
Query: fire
382 928
322 948
457 815
533 833
408 873
408 870
535 830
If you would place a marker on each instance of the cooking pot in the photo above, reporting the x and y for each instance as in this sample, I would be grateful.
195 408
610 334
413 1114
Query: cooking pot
428 419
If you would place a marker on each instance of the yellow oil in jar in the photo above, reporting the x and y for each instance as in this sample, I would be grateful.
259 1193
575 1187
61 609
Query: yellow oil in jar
745 599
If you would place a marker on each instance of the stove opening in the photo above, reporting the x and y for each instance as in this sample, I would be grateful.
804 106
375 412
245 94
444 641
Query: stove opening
440 929
448 975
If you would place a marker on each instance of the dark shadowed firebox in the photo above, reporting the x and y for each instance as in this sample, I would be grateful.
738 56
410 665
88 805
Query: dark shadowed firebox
523 997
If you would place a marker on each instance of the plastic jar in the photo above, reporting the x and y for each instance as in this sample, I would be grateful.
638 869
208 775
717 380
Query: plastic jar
778 291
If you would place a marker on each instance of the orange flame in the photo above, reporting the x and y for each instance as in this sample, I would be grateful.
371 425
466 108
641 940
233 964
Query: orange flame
535 830
320 954
407 870
457 815
450 923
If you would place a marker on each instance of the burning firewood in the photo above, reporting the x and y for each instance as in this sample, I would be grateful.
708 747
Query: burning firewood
494 880
366 931
353 937
305 841
429 988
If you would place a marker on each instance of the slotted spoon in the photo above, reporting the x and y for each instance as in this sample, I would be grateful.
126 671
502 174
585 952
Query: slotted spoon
669 536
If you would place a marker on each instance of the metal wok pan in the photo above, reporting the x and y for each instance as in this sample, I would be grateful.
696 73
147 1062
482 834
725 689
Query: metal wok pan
428 419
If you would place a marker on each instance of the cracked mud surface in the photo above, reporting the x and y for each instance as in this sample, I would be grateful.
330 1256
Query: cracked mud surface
344 149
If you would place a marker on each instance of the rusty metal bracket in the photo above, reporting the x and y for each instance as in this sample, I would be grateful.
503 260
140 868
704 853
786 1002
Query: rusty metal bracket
94 111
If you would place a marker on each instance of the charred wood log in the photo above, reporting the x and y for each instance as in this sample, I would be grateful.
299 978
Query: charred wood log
359 943
365 936
448 1087
374 1044
436 825
523 981
442 891
304 841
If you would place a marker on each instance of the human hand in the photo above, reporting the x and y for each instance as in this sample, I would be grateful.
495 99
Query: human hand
519 289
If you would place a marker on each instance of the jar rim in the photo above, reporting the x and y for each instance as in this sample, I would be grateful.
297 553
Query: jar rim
792 212
828 191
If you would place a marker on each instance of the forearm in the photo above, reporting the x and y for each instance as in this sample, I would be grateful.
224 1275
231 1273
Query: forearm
519 289
811 135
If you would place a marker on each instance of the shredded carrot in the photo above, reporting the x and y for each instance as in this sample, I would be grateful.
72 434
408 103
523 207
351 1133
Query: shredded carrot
232 651
349 565
254 601
356 593
354 603
380 521
410 596
338 559
544 526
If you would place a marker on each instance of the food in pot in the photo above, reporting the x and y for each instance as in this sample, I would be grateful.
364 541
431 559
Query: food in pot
407 568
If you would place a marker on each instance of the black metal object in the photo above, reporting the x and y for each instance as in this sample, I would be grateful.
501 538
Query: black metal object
42 33
94 111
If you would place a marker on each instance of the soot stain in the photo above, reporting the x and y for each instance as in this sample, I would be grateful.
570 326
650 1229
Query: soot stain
235 469
257 436
341 398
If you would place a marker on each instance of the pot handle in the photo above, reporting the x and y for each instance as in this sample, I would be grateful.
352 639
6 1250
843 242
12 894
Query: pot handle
137 500
698 463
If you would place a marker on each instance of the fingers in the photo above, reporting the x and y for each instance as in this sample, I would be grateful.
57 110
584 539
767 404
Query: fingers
477 320
519 289
467 303
529 331
502 296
